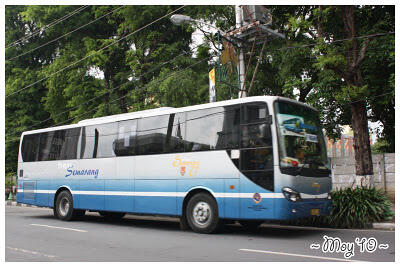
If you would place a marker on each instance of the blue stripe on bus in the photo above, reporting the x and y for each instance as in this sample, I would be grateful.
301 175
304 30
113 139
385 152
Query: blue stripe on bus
229 207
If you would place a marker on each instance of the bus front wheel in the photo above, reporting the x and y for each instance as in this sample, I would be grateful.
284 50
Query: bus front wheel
202 214
64 209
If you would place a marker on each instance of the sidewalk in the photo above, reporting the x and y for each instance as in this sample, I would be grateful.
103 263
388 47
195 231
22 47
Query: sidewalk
380 226
390 225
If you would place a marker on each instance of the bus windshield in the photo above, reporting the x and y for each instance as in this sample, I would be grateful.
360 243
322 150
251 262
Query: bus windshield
301 142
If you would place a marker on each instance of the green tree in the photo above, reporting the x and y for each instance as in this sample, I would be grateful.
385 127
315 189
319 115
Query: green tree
340 67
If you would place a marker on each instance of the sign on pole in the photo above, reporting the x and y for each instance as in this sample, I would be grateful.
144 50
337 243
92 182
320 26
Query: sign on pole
211 75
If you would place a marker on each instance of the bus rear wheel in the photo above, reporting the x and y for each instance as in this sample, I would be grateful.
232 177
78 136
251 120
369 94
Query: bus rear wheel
112 215
64 208
202 214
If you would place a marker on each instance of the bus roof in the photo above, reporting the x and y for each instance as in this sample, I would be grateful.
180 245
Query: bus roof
162 111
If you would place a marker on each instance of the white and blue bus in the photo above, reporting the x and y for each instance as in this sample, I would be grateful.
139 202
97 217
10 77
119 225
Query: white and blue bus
249 160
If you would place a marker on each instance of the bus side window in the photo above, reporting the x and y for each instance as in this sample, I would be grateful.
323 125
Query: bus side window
30 147
125 143
69 146
202 128
152 135
256 129
176 133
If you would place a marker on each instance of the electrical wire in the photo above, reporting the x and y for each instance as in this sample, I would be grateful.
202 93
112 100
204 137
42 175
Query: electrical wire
47 26
49 42
138 90
94 53
113 89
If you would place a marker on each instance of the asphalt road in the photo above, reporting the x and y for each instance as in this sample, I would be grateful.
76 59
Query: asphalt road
33 234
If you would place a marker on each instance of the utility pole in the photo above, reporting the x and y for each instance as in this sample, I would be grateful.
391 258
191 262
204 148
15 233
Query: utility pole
241 65
249 26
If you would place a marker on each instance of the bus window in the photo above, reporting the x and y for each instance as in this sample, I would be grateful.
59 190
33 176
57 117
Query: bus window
176 133
152 135
99 140
49 145
229 136
69 147
202 127
256 132
124 145
30 147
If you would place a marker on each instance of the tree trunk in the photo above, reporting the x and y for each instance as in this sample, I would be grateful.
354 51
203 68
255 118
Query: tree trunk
362 146
352 76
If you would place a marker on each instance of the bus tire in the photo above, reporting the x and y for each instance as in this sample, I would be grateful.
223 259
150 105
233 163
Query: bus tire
202 214
112 215
250 224
64 209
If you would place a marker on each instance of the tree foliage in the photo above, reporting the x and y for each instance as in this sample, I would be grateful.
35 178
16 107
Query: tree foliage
120 61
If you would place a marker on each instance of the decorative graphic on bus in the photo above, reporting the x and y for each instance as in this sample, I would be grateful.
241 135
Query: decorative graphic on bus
183 170
193 166
87 172
289 162
294 125
257 198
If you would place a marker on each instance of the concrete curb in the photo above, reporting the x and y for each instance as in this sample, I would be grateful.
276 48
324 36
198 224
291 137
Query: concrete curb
13 203
384 226
381 226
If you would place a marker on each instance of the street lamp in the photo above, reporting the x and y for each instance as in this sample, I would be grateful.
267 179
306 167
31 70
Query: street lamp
179 19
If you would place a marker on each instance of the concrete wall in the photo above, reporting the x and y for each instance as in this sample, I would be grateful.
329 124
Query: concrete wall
384 172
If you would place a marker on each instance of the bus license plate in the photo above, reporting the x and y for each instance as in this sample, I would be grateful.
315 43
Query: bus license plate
315 212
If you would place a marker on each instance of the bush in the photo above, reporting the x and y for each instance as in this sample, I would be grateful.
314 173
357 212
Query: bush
353 208
359 207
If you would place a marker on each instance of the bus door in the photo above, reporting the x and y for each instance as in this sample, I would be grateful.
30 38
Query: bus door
256 162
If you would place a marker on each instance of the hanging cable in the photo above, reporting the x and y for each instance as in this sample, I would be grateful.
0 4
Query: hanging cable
94 53
47 26
58 38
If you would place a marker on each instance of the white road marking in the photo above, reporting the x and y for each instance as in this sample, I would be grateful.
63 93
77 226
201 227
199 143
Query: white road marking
294 255
31 252
56 227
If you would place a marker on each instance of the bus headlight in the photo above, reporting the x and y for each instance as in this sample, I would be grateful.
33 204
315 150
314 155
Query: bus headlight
329 195
290 194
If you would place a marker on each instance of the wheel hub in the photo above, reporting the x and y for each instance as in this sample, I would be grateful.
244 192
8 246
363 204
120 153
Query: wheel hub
202 213
64 207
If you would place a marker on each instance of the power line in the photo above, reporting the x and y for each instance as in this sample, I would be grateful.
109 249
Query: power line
112 90
142 88
70 14
65 34
335 41
74 63
57 115
138 90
